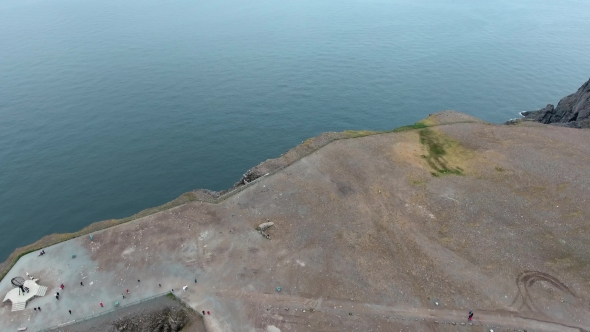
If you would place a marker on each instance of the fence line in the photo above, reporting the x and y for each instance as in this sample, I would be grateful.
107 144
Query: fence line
112 310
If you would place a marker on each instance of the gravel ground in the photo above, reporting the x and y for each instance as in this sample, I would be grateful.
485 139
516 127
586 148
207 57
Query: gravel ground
367 226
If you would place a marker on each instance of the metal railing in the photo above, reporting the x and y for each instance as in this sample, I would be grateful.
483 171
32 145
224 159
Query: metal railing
108 311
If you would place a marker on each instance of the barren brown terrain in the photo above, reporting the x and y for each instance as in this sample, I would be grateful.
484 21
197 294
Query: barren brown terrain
404 231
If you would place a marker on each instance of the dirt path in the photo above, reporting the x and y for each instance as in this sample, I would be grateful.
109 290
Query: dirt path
485 318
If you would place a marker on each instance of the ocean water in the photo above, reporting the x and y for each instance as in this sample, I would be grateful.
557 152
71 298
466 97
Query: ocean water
109 107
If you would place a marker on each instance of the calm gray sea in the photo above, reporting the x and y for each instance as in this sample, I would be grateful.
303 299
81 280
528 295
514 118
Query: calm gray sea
109 107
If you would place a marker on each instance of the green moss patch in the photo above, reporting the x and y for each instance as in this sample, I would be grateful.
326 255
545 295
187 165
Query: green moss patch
417 125
437 146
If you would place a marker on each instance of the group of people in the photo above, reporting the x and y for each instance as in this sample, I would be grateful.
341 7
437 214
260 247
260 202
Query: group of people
62 286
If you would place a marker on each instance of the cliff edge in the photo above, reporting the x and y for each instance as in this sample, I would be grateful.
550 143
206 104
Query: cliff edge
401 230
571 111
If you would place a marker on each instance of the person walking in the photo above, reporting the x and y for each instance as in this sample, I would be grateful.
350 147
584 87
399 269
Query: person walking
81 283
70 311
470 315
39 308
101 304
127 291
123 295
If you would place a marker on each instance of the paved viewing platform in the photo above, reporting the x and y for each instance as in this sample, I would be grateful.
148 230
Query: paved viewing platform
19 298
86 285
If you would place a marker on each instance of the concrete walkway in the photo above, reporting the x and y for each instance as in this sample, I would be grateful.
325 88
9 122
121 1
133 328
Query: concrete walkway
57 267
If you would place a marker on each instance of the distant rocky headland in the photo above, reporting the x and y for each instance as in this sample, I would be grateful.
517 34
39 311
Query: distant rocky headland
571 111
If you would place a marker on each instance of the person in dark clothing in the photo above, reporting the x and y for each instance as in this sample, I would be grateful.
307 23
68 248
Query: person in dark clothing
470 315
81 283
70 311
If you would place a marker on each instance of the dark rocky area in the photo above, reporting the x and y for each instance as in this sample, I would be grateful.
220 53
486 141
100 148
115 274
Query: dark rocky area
165 320
571 111
162 314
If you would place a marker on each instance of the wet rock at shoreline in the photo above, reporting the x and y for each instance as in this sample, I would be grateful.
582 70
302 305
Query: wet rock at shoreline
571 111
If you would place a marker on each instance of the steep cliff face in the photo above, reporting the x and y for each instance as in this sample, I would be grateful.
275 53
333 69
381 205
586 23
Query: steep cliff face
571 111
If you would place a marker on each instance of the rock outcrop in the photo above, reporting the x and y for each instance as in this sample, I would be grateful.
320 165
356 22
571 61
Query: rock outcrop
571 111
167 319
